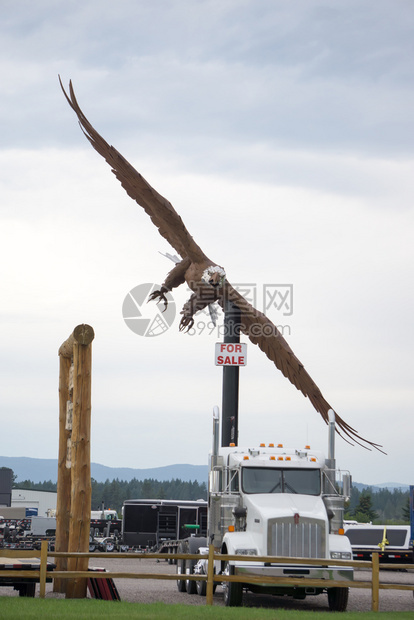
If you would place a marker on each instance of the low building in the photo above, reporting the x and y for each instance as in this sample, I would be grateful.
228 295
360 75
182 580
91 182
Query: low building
44 501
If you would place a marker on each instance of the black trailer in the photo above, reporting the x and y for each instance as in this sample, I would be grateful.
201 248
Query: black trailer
392 542
149 523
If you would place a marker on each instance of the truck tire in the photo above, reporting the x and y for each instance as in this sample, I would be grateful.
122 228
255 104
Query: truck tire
201 585
181 570
233 592
338 599
192 546
190 584
109 546
201 588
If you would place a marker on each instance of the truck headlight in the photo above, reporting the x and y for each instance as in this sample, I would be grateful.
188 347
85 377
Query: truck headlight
341 555
246 551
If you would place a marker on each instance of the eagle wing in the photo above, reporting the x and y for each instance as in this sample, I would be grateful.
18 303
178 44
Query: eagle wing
261 331
161 212
170 225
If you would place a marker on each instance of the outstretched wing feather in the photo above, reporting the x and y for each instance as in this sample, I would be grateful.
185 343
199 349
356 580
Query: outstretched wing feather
160 210
255 324
262 332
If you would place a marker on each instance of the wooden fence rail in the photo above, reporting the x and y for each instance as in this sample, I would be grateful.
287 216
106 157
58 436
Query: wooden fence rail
374 584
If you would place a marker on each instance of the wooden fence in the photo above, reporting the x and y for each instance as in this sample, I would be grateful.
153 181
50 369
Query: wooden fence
374 584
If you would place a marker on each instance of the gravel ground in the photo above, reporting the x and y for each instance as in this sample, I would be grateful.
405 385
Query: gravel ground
150 591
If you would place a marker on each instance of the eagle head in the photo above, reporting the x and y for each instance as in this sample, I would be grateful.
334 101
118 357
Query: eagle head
214 275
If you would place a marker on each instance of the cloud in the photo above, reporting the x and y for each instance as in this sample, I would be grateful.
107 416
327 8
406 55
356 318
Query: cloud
283 137
304 75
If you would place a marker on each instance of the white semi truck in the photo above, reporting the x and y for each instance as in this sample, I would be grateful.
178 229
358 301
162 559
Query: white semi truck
274 501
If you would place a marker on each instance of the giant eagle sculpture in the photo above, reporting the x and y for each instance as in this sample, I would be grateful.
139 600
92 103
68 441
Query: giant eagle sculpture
206 279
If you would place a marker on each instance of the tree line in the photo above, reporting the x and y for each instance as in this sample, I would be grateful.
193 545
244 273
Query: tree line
113 493
381 507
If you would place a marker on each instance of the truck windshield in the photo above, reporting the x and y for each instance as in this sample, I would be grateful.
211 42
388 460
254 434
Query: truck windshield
267 480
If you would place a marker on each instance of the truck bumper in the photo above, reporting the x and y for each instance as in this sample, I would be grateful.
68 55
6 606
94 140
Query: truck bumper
337 573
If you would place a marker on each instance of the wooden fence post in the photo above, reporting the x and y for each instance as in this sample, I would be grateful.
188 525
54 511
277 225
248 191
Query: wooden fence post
74 488
375 582
43 568
210 575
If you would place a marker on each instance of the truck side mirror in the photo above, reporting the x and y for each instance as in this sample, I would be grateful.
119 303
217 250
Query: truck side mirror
240 512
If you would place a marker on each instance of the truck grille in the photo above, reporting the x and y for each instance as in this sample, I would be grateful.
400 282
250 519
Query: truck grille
305 539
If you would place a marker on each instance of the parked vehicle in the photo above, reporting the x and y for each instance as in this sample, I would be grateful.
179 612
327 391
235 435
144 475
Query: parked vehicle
270 500
25 585
392 542
105 524
160 524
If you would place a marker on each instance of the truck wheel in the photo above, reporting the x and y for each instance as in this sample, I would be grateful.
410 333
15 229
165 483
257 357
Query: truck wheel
233 592
109 546
192 546
181 570
190 584
201 585
338 599
201 588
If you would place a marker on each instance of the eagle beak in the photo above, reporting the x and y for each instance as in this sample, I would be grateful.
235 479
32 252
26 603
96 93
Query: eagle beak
215 279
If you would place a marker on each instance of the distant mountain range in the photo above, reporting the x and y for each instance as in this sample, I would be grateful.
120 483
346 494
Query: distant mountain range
384 485
39 470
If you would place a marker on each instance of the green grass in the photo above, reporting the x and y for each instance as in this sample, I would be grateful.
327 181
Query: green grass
89 609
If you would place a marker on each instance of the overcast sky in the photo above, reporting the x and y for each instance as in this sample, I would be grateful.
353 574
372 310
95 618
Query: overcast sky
282 133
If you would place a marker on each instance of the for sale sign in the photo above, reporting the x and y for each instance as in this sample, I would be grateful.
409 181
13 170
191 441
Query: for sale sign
231 354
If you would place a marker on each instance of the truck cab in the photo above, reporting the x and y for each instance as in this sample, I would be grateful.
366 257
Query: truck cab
276 502
272 501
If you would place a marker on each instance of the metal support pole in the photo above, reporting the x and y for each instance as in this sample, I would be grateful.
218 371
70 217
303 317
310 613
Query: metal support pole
330 462
230 403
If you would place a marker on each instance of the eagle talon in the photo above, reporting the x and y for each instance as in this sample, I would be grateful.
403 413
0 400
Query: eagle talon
186 323
155 294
